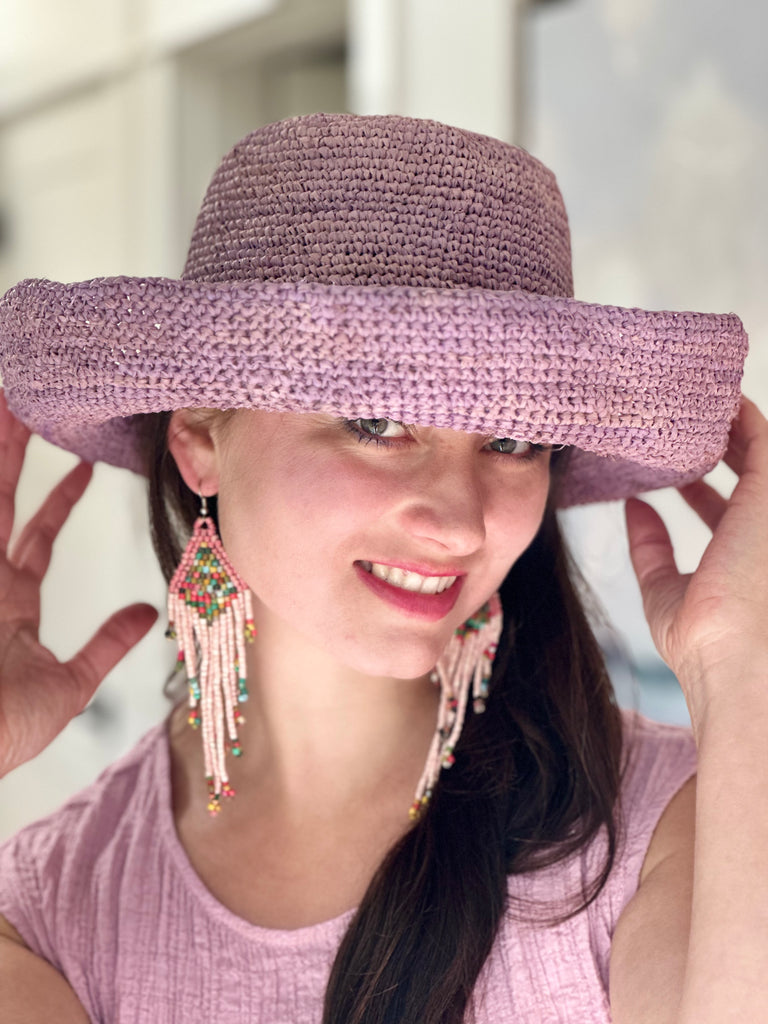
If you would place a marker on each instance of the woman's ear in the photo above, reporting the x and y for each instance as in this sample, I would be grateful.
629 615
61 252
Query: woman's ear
191 443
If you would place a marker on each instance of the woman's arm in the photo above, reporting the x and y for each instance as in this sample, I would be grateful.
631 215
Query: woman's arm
685 953
727 971
31 990
712 629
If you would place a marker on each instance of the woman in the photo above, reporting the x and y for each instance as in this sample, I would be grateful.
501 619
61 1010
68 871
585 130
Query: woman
372 389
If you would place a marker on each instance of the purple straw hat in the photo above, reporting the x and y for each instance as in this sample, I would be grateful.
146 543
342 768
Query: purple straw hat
380 267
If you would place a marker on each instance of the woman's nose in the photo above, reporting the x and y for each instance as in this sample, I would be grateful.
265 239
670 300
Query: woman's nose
444 504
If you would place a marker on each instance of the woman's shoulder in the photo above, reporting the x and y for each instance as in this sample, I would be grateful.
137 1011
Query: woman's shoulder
565 956
49 863
657 759
109 795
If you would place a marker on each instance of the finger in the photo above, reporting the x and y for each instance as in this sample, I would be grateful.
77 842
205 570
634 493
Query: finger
653 559
708 504
650 546
11 428
748 440
108 646
32 550
13 443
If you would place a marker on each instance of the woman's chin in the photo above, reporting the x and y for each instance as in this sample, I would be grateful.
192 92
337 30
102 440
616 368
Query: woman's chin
403 664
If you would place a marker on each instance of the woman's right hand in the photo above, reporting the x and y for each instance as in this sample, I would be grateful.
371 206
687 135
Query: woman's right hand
39 694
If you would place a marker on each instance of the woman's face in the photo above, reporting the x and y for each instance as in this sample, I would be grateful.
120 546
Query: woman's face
316 511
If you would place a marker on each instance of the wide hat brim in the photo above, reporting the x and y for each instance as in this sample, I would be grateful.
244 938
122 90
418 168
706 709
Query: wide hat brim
646 398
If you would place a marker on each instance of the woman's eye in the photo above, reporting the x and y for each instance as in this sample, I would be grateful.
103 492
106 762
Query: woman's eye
380 427
510 446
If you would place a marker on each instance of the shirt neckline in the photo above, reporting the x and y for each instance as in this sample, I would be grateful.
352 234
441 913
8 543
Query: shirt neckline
308 935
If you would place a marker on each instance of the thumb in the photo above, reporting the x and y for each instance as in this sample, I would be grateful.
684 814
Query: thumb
108 646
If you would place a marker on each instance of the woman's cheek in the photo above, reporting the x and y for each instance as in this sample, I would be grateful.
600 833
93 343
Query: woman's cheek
517 512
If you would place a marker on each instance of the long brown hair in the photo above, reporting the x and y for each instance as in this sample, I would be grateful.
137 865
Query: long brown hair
536 778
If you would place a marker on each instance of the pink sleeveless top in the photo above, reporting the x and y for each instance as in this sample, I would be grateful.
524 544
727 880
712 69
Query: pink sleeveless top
104 891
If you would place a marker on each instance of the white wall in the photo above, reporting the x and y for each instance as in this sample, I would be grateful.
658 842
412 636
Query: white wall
448 60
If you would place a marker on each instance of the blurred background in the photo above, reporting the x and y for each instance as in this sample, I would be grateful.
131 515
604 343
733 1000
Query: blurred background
114 114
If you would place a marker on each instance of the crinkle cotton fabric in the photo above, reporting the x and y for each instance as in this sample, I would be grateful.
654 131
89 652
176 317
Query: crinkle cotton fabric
104 891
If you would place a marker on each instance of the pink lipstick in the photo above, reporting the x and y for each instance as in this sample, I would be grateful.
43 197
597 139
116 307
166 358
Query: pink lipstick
431 607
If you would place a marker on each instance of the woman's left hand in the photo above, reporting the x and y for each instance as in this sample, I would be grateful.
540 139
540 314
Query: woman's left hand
711 626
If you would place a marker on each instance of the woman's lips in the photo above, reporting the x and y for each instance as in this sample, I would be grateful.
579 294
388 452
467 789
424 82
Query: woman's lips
431 607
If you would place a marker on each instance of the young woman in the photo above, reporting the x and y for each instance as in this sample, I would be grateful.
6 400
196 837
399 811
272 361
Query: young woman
358 411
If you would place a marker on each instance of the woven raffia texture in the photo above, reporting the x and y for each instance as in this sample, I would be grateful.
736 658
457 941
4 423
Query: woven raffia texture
385 201
380 267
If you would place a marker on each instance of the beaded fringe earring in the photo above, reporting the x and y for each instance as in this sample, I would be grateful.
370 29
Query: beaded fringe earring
468 659
210 614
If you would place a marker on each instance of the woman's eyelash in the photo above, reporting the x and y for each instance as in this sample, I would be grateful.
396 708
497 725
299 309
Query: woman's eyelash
366 438
534 450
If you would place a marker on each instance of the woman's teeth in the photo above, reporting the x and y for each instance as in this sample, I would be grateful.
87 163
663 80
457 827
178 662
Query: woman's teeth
409 580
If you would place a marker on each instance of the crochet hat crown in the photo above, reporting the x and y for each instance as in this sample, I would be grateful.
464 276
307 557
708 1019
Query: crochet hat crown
344 200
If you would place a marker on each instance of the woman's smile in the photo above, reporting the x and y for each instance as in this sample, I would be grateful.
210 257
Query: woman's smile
431 605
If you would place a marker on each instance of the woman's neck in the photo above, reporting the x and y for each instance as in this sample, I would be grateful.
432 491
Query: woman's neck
316 729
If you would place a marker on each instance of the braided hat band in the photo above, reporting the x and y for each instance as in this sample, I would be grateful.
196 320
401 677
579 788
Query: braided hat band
380 267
